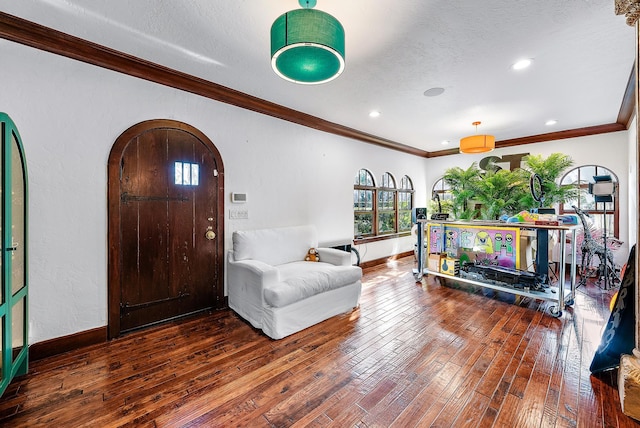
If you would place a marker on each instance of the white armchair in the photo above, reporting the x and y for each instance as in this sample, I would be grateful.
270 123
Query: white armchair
273 288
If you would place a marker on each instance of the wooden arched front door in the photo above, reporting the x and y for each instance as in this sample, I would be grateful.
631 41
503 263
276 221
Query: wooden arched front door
166 231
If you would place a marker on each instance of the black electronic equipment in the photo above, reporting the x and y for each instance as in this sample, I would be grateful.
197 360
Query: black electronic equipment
439 215
500 275
418 214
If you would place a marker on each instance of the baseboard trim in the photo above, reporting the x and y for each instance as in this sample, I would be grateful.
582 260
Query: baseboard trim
384 260
60 345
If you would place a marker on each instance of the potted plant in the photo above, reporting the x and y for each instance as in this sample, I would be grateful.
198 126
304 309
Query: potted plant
490 194
500 192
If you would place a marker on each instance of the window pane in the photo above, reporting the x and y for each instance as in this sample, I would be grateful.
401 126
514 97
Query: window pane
582 176
404 201
186 173
178 172
571 177
587 173
17 230
441 186
405 183
404 220
362 200
569 203
18 323
388 181
2 321
363 224
386 222
359 200
195 170
385 200
587 202
363 178
598 221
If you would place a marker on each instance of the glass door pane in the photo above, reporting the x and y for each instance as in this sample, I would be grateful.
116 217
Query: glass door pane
18 323
3 321
17 215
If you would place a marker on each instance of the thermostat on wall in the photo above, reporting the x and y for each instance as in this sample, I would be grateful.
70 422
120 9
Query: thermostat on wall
238 198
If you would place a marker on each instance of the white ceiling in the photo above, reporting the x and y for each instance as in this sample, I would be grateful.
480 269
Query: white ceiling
395 50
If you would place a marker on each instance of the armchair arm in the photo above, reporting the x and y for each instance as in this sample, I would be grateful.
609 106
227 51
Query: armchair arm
246 280
255 268
334 256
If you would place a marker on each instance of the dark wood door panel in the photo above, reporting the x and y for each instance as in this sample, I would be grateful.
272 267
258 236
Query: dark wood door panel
166 265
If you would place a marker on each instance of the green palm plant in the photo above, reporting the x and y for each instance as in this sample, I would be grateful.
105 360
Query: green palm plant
500 192
462 183
497 192
550 170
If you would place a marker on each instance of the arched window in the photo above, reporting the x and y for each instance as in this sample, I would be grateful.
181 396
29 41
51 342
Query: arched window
405 204
364 194
387 205
442 190
599 211
381 210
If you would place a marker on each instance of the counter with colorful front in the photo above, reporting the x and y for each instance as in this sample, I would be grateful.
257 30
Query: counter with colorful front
492 255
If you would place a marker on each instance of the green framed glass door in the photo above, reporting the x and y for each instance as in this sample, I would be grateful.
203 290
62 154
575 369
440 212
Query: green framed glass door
13 260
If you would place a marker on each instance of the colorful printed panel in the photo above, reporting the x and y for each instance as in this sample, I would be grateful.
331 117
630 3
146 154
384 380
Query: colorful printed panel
487 244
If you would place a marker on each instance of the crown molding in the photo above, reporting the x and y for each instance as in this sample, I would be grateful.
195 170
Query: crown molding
542 138
37 36
47 39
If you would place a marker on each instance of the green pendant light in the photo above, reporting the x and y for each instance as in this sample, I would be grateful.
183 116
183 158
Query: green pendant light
307 45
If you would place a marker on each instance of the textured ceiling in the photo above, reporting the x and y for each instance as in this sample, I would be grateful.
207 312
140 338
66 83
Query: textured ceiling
395 50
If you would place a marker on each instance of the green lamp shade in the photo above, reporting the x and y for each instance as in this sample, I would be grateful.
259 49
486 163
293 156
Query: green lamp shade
307 46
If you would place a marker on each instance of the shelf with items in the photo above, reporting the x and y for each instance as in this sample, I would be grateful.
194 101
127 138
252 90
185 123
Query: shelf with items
497 245
550 293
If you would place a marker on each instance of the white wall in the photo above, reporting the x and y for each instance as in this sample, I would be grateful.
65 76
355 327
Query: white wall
69 114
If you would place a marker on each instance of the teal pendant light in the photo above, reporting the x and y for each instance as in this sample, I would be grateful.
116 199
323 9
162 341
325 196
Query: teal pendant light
307 45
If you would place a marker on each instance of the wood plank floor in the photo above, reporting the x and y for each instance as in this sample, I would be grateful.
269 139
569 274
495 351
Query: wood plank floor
411 355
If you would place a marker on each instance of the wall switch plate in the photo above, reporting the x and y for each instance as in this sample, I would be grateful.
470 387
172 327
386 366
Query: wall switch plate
238 214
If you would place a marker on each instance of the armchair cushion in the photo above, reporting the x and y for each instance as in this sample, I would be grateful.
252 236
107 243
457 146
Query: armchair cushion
274 246
300 280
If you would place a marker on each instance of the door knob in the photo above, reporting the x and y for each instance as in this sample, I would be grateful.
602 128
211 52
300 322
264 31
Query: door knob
210 234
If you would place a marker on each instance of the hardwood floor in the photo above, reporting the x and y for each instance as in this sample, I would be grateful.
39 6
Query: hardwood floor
411 355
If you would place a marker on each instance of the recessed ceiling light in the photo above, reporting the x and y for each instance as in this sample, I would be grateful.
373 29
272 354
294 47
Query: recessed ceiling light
445 142
433 92
551 122
522 64
374 113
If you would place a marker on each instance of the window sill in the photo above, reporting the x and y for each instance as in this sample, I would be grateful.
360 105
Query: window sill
366 240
